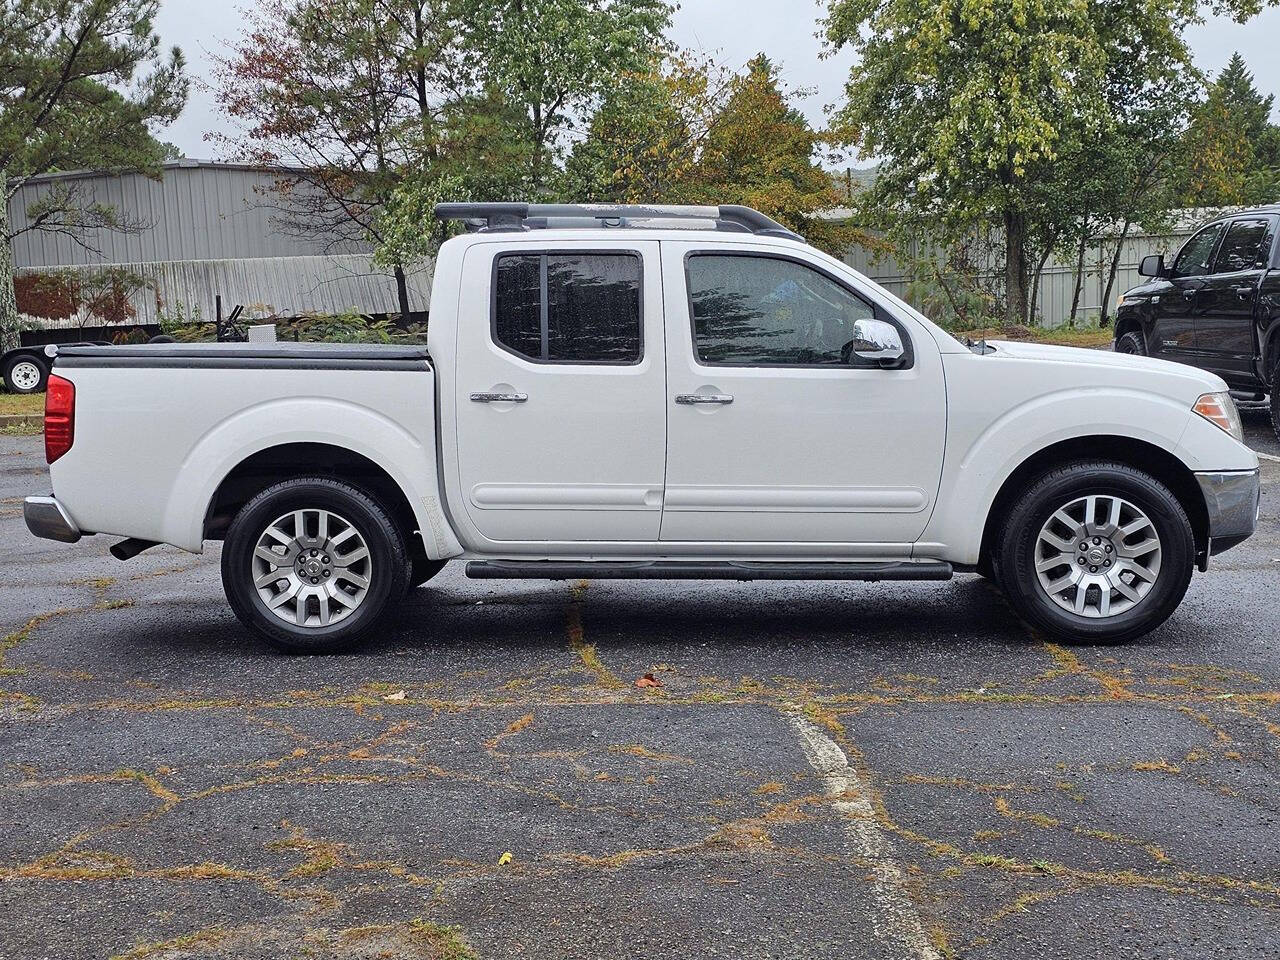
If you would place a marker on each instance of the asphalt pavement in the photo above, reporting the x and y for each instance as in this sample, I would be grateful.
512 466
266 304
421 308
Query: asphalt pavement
824 770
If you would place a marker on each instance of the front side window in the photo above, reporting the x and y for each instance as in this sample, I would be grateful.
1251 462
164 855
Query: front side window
1195 257
569 307
763 311
1242 249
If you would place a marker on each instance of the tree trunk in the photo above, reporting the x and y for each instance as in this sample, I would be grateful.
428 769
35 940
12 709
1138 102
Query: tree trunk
1075 296
1035 283
402 292
8 300
1015 267
1105 317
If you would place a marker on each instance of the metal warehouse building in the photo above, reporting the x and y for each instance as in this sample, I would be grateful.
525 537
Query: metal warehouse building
201 231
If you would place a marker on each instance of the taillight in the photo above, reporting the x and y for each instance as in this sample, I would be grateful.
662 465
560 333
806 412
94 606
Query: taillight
59 417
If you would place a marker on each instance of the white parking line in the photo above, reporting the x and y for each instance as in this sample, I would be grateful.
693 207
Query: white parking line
896 921
1267 456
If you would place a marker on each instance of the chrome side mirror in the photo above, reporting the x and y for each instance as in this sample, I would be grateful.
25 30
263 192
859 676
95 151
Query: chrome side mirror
877 341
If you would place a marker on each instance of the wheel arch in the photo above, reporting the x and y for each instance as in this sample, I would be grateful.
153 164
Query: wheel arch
1130 323
1126 450
286 461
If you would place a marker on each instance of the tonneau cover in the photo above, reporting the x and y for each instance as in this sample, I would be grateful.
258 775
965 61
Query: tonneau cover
359 356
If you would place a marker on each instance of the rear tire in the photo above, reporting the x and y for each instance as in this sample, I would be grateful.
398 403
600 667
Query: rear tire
311 565
1138 547
1132 342
26 373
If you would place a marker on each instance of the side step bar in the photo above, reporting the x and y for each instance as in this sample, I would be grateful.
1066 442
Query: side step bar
701 570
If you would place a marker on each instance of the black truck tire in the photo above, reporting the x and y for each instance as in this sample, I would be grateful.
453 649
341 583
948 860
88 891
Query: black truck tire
311 565
1055 561
26 373
1132 342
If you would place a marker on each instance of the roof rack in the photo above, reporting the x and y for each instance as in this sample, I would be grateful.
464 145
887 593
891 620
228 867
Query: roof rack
507 217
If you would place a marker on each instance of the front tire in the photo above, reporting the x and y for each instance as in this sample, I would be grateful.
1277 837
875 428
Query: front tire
1096 552
1132 342
311 565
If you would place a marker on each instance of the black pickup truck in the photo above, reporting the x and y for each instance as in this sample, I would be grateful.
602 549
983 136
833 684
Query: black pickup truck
1216 307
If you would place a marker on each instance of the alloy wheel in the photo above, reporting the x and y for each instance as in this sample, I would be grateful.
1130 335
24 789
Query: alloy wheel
312 568
1098 556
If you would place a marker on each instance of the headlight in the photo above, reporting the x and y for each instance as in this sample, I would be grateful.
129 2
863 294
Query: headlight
1220 410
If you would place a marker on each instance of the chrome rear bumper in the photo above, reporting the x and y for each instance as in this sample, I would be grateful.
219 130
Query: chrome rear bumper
1232 501
47 520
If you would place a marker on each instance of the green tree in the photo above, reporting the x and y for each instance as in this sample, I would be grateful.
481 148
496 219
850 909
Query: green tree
964 101
982 110
1232 148
556 58
686 131
82 83
346 98
644 141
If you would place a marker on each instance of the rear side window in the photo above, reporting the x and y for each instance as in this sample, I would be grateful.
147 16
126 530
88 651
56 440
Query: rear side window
569 307
764 311
1194 259
1242 249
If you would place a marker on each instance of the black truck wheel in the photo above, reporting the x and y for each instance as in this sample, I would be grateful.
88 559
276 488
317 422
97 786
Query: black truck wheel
1096 552
26 373
311 565
1132 342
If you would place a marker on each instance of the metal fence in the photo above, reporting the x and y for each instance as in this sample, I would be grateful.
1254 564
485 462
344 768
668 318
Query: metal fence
1057 281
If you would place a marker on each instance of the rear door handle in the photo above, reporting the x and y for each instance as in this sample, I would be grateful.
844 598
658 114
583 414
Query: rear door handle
499 398
1244 293
1190 293
694 399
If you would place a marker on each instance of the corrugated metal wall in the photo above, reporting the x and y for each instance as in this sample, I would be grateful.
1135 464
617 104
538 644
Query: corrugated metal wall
197 211
266 286
209 229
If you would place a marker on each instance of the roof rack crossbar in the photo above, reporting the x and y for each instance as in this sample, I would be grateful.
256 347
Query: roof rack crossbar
502 217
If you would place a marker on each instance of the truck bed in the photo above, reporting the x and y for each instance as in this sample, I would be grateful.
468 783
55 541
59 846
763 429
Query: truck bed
158 426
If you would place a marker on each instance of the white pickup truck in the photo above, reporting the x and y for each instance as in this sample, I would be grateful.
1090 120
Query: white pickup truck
652 393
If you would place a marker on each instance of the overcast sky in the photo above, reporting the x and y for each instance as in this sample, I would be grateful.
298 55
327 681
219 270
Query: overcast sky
734 30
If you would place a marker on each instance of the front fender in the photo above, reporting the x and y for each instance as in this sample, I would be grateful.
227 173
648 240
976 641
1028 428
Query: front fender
981 458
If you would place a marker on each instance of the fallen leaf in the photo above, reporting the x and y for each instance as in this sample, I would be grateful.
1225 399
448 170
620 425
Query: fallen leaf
504 859
648 680
396 697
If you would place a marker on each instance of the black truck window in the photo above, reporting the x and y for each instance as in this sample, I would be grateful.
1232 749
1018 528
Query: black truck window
1243 247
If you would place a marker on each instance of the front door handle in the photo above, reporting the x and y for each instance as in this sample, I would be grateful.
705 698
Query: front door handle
1189 293
694 399
499 398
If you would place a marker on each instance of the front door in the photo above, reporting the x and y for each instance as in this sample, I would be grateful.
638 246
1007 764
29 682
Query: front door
1173 335
1225 312
793 442
561 424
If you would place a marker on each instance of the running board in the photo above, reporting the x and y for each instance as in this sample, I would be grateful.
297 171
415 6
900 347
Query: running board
700 570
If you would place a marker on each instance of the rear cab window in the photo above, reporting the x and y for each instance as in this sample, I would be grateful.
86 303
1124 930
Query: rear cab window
569 307
1246 246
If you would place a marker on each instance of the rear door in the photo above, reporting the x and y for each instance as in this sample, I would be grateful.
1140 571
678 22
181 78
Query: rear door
561 423
792 442
1173 334
1228 298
